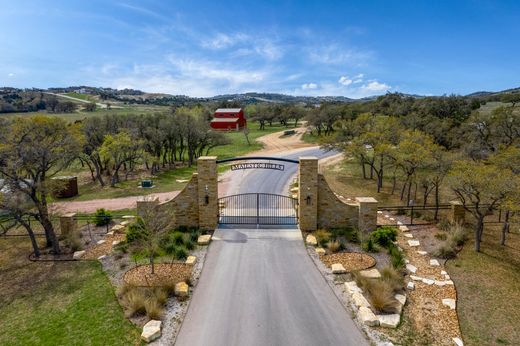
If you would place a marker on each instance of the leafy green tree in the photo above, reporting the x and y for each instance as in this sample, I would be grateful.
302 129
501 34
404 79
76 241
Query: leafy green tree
120 149
33 150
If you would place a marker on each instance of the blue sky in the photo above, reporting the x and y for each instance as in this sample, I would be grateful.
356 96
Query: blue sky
205 48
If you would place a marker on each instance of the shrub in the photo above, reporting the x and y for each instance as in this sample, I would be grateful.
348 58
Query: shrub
154 310
102 217
161 294
134 300
441 236
136 231
445 250
181 253
322 236
361 281
396 257
189 244
393 278
381 296
384 236
350 234
333 246
177 238
457 234
444 225
74 240
369 245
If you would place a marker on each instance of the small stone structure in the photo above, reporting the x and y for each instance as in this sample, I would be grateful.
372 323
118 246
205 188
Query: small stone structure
318 206
458 213
68 224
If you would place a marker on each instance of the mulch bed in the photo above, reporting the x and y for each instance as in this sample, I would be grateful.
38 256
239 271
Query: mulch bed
166 274
102 249
351 261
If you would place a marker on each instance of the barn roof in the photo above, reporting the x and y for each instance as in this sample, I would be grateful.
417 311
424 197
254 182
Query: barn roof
228 110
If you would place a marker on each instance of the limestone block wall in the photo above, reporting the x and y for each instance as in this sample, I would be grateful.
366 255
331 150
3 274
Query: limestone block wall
332 211
308 193
184 207
207 192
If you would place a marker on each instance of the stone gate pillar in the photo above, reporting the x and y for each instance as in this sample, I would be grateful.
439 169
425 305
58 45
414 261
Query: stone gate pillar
308 193
457 213
367 216
68 224
207 192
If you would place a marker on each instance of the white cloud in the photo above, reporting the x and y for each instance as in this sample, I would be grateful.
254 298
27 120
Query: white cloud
309 86
344 80
222 40
375 86
359 76
10 75
335 55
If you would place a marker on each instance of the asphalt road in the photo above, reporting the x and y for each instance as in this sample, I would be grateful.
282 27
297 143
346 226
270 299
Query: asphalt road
259 286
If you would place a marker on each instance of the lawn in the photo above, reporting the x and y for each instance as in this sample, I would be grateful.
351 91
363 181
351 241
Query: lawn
488 285
67 303
81 96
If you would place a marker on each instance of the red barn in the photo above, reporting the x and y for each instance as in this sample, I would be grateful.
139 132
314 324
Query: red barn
229 119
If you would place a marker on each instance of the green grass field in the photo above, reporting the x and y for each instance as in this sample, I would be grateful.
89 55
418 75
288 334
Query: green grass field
81 96
68 303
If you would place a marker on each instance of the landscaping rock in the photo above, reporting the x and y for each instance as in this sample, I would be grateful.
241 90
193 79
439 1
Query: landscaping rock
320 251
391 219
111 233
434 263
311 240
447 277
151 331
449 282
411 268
379 212
128 217
359 300
337 268
413 243
399 223
204 239
408 235
389 321
117 228
100 258
416 278
181 290
449 303
102 241
367 317
440 283
125 223
403 228
410 285
443 272
401 298
352 287
78 254
422 253
116 242
428 281
458 341
370 273
191 260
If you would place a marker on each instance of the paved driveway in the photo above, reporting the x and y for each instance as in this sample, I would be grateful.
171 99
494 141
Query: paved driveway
259 286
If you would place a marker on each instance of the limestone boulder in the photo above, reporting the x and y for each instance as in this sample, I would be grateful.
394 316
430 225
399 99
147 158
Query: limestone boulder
78 254
181 290
320 251
191 260
352 287
410 286
370 273
311 240
413 243
204 239
449 303
151 331
434 263
337 268
359 300
102 241
389 321
458 342
411 268
367 317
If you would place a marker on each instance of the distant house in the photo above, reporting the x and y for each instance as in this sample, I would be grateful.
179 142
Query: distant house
229 119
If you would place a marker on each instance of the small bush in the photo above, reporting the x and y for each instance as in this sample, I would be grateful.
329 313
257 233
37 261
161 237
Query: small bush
189 244
322 236
333 246
350 234
384 236
369 246
177 238
161 294
393 278
441 236
181 253
136 231
134 300
74 240
445 250
381 296
444 225
396 257
102 217
361 281
154 309
457 234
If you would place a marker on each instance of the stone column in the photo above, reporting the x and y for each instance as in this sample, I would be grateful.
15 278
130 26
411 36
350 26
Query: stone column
457 213
68 224
207 192
308 193
367 218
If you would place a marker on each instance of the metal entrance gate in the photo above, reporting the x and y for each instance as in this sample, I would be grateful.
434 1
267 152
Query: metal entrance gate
258 209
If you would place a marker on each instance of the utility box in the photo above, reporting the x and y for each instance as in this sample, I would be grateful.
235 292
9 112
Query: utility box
147 183
67 186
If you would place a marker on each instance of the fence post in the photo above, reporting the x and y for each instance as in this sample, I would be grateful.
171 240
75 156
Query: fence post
68 224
